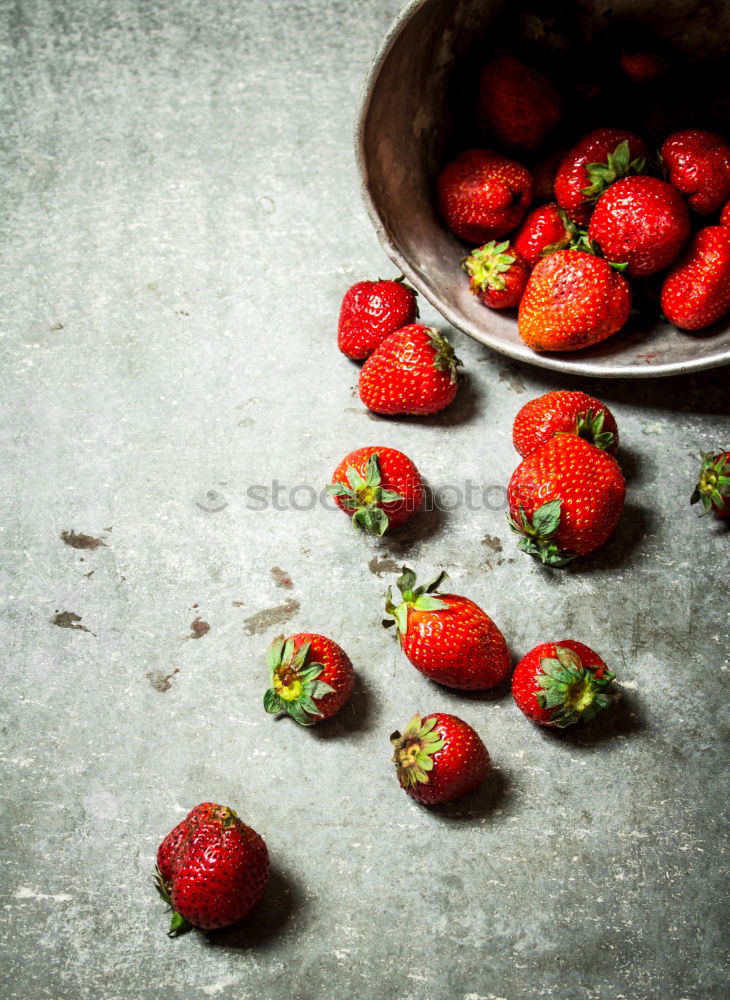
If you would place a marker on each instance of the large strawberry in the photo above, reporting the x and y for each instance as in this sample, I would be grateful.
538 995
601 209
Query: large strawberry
413 371
212 869
447 637
378 487
595 162
713 486
572 299
482 195
497 274
545 230
698 165
696 292
517 104
370 312
564 412
561 683
311 677
565 499
439 758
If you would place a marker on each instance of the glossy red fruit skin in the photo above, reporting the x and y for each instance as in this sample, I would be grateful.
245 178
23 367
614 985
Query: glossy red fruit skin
370 312
400 376
338 672
541 419
699 166
696 292
517 104
586 480
725 215
572 299
514 281
572 176
482 195
397 473
525 685
542 228
459 767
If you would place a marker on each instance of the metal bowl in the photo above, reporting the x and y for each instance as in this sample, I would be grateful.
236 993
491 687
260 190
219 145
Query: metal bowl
401 136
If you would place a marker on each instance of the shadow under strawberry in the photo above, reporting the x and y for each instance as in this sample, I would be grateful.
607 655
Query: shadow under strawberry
357 715
268 921
492 794
490 694
464 408
426 524
620 548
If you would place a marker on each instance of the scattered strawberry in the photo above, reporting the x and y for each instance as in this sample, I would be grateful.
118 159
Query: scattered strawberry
371 311
696 292
378 487
596 161
713 487
725 215
517 104
439 758
699 166
545 230
561 683
565 499
212 869
413 371
311 677
497 274
642 66
448 638
482 195
564 412
572 299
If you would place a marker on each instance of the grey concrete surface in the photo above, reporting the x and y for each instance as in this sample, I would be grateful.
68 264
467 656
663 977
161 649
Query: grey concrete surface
181 217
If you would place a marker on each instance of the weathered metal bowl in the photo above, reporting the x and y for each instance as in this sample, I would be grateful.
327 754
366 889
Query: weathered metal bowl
400 143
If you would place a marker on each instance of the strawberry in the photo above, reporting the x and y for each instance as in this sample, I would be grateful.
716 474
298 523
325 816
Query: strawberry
370 312
696 292
595 162
311 677
517 104
545 230
212 869
564 412
447 637
725 215
413 371
565 499
713 487
561 683
698 164
482 195
378 487
642 66
572 299
641 222
439 758
497 274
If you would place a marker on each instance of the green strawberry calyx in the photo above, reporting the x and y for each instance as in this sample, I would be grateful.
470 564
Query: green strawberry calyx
538 534
713 486
178 923
363 499
572 691
572 238
419 598
444 360
414 751
487 265
295 684
589 426
618 164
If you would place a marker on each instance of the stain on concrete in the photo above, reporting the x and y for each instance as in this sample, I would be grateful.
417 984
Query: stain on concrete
161 682
493 543
198 628
281 578
77 540
247 422
271 616
511 376
56 327
238 604
89 574
69 619
379 565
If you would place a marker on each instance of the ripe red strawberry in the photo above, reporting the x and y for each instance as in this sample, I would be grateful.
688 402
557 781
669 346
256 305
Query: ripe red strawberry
370 312
642 222
413 371
378 487
447 637
212 869
564 412
561 683
439 758
713 486
725 215
595 162
572 299
699 166
545 230
482 195
311 677
696 292
565 499
517 104
497 274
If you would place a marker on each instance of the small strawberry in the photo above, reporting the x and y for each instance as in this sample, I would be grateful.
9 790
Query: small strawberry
565 499
311 677
595 162
370 312
517 104
641 222
439 758
698 164
378 487
696 292
713 487
545 230
482 195
413 371
447 637
212 869
572 299
564 412
497 274
561 683
642 66
725 215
